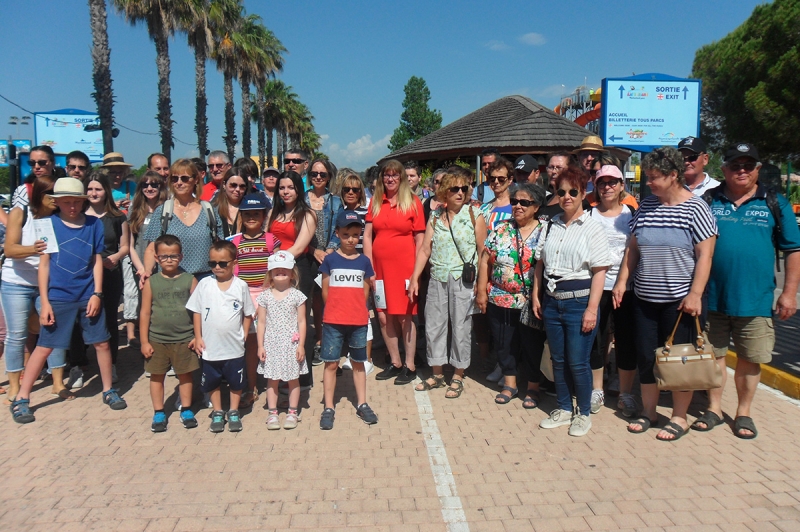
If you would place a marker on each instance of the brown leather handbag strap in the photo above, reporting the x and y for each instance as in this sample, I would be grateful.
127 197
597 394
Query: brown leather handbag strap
671 338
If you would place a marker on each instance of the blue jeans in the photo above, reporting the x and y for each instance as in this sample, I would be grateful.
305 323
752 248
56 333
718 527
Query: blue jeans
569 345
18 299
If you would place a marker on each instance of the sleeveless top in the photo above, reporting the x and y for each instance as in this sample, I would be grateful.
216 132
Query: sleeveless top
445 258
23 271
285 232
170 321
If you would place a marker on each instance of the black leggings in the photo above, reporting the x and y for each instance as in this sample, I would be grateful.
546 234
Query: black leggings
113 285
624 331
518 347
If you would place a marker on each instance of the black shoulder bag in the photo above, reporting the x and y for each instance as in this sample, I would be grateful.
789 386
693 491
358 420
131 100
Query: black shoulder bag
468 272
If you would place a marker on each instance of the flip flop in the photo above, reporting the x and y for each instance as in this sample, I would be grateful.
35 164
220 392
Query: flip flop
710 419
645 422
744 422
65 395
676 430
503 399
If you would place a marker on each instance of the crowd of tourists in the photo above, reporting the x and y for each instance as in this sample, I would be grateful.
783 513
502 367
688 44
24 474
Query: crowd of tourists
222 269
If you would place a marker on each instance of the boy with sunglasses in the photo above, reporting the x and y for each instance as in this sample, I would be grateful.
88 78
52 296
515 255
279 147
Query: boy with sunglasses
223 311
167 332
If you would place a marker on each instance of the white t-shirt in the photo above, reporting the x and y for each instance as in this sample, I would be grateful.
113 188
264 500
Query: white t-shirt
222 314
707 183
618 231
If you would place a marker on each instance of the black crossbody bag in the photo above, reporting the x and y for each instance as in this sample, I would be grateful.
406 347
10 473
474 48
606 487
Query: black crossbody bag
468 271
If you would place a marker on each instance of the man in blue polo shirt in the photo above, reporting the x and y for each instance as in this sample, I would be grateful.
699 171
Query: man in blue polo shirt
742 283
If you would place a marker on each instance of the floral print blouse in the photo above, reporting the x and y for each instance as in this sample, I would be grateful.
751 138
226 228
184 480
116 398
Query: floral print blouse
506 288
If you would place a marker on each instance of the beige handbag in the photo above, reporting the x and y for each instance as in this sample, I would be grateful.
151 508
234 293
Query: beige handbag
687 366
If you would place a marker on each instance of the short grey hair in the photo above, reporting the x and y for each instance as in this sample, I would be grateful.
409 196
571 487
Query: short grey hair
665 160
219 154
536 192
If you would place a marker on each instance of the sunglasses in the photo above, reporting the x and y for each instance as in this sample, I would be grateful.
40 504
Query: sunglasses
221 263
735 167
241 186
348 190
455 190
313 175
690 158
151 185
523 202
294 161
572 192
80 167
183 178
437 182
42 162
165 258
499 178
607 183
217 165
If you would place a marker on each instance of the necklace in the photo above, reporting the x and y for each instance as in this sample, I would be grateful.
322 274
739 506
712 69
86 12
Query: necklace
185 210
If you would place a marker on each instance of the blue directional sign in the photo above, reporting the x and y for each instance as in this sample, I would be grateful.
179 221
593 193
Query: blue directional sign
649 110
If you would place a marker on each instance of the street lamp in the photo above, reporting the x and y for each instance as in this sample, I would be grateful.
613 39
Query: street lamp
16 121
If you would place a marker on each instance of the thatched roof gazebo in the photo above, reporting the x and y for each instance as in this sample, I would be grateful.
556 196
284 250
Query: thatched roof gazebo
515 125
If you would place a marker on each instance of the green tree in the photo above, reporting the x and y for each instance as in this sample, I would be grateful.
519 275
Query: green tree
417 119
750 80
101 71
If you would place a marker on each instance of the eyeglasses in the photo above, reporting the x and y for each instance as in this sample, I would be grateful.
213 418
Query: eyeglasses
523 202
169 258
690 158
151 185
294 161
499 178
572 192
221 263
391 177
455 190
240 186
183 178
348 190
42 162
80 167
607 183
216 165
735 167
321 175
555 168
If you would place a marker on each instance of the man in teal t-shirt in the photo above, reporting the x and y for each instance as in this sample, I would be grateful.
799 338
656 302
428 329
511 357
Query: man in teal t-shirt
742 281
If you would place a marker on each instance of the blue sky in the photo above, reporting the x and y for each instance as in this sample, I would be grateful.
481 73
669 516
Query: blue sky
349 60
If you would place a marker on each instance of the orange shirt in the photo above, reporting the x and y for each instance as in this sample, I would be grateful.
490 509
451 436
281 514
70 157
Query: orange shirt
627 200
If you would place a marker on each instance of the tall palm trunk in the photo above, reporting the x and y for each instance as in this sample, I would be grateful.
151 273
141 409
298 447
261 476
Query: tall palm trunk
270 131
201 102
101 73
261 132
247 148
230 115
161 39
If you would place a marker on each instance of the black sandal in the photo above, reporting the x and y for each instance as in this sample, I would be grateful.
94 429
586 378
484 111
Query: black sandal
424 386
644 421
503 399
744 423
459 387
709 419
531 400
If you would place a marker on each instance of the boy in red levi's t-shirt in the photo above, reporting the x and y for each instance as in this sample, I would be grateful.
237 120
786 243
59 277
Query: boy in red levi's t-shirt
346 278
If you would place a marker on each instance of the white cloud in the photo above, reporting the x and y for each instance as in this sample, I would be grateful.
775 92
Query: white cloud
533 39
359 154
497 46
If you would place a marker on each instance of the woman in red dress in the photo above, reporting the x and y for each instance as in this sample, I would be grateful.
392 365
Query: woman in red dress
395 226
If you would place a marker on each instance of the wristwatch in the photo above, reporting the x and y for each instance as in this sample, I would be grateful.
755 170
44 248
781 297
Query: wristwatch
98 294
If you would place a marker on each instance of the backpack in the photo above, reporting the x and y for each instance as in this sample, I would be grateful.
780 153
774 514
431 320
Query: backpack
774 209
269 238
169 208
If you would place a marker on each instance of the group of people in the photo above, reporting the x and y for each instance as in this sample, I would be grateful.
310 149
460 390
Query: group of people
234 271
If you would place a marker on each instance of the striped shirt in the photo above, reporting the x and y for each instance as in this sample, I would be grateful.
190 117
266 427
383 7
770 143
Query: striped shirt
253 254
571 251
666 236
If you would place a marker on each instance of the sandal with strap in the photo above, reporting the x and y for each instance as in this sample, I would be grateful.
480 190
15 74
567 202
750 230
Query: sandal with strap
424 386
273 421
459 387
531 400
21 411
709 419
113 400
503 399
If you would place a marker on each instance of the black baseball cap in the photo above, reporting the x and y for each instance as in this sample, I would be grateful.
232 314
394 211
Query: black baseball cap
693 144
741 149
526 164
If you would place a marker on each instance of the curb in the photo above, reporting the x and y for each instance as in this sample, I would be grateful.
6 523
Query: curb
774 378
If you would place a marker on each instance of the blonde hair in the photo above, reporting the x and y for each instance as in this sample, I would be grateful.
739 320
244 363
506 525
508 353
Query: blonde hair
295 278
405 198
351 179
186 165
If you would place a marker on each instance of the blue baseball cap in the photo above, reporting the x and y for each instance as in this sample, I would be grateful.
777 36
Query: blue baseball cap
254 202
346 218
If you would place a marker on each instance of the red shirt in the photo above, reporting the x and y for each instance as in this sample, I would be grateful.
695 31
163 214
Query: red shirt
208 190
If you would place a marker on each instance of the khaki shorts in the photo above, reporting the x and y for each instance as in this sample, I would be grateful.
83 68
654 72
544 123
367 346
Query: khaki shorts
179 356
753 337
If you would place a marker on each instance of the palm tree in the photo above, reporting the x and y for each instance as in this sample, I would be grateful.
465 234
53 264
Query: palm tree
269 61
101 72
224 55
161 18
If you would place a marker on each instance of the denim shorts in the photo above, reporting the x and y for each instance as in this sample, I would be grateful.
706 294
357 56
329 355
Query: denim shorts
334 338
59 335
232 370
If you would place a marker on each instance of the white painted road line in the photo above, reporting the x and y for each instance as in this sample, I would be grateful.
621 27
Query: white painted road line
452 510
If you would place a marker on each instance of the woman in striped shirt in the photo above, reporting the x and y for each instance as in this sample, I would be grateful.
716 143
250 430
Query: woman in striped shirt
669 255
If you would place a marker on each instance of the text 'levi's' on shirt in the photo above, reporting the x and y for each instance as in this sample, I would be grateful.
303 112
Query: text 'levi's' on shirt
346 303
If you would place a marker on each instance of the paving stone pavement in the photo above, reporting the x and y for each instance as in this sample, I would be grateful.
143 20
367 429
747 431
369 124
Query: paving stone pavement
81 466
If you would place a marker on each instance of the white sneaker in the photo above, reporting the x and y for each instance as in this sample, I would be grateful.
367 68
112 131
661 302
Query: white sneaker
580 425
171 372
558 418
369 367
75 379
598 400
114 377
347 364
496 374
178 403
